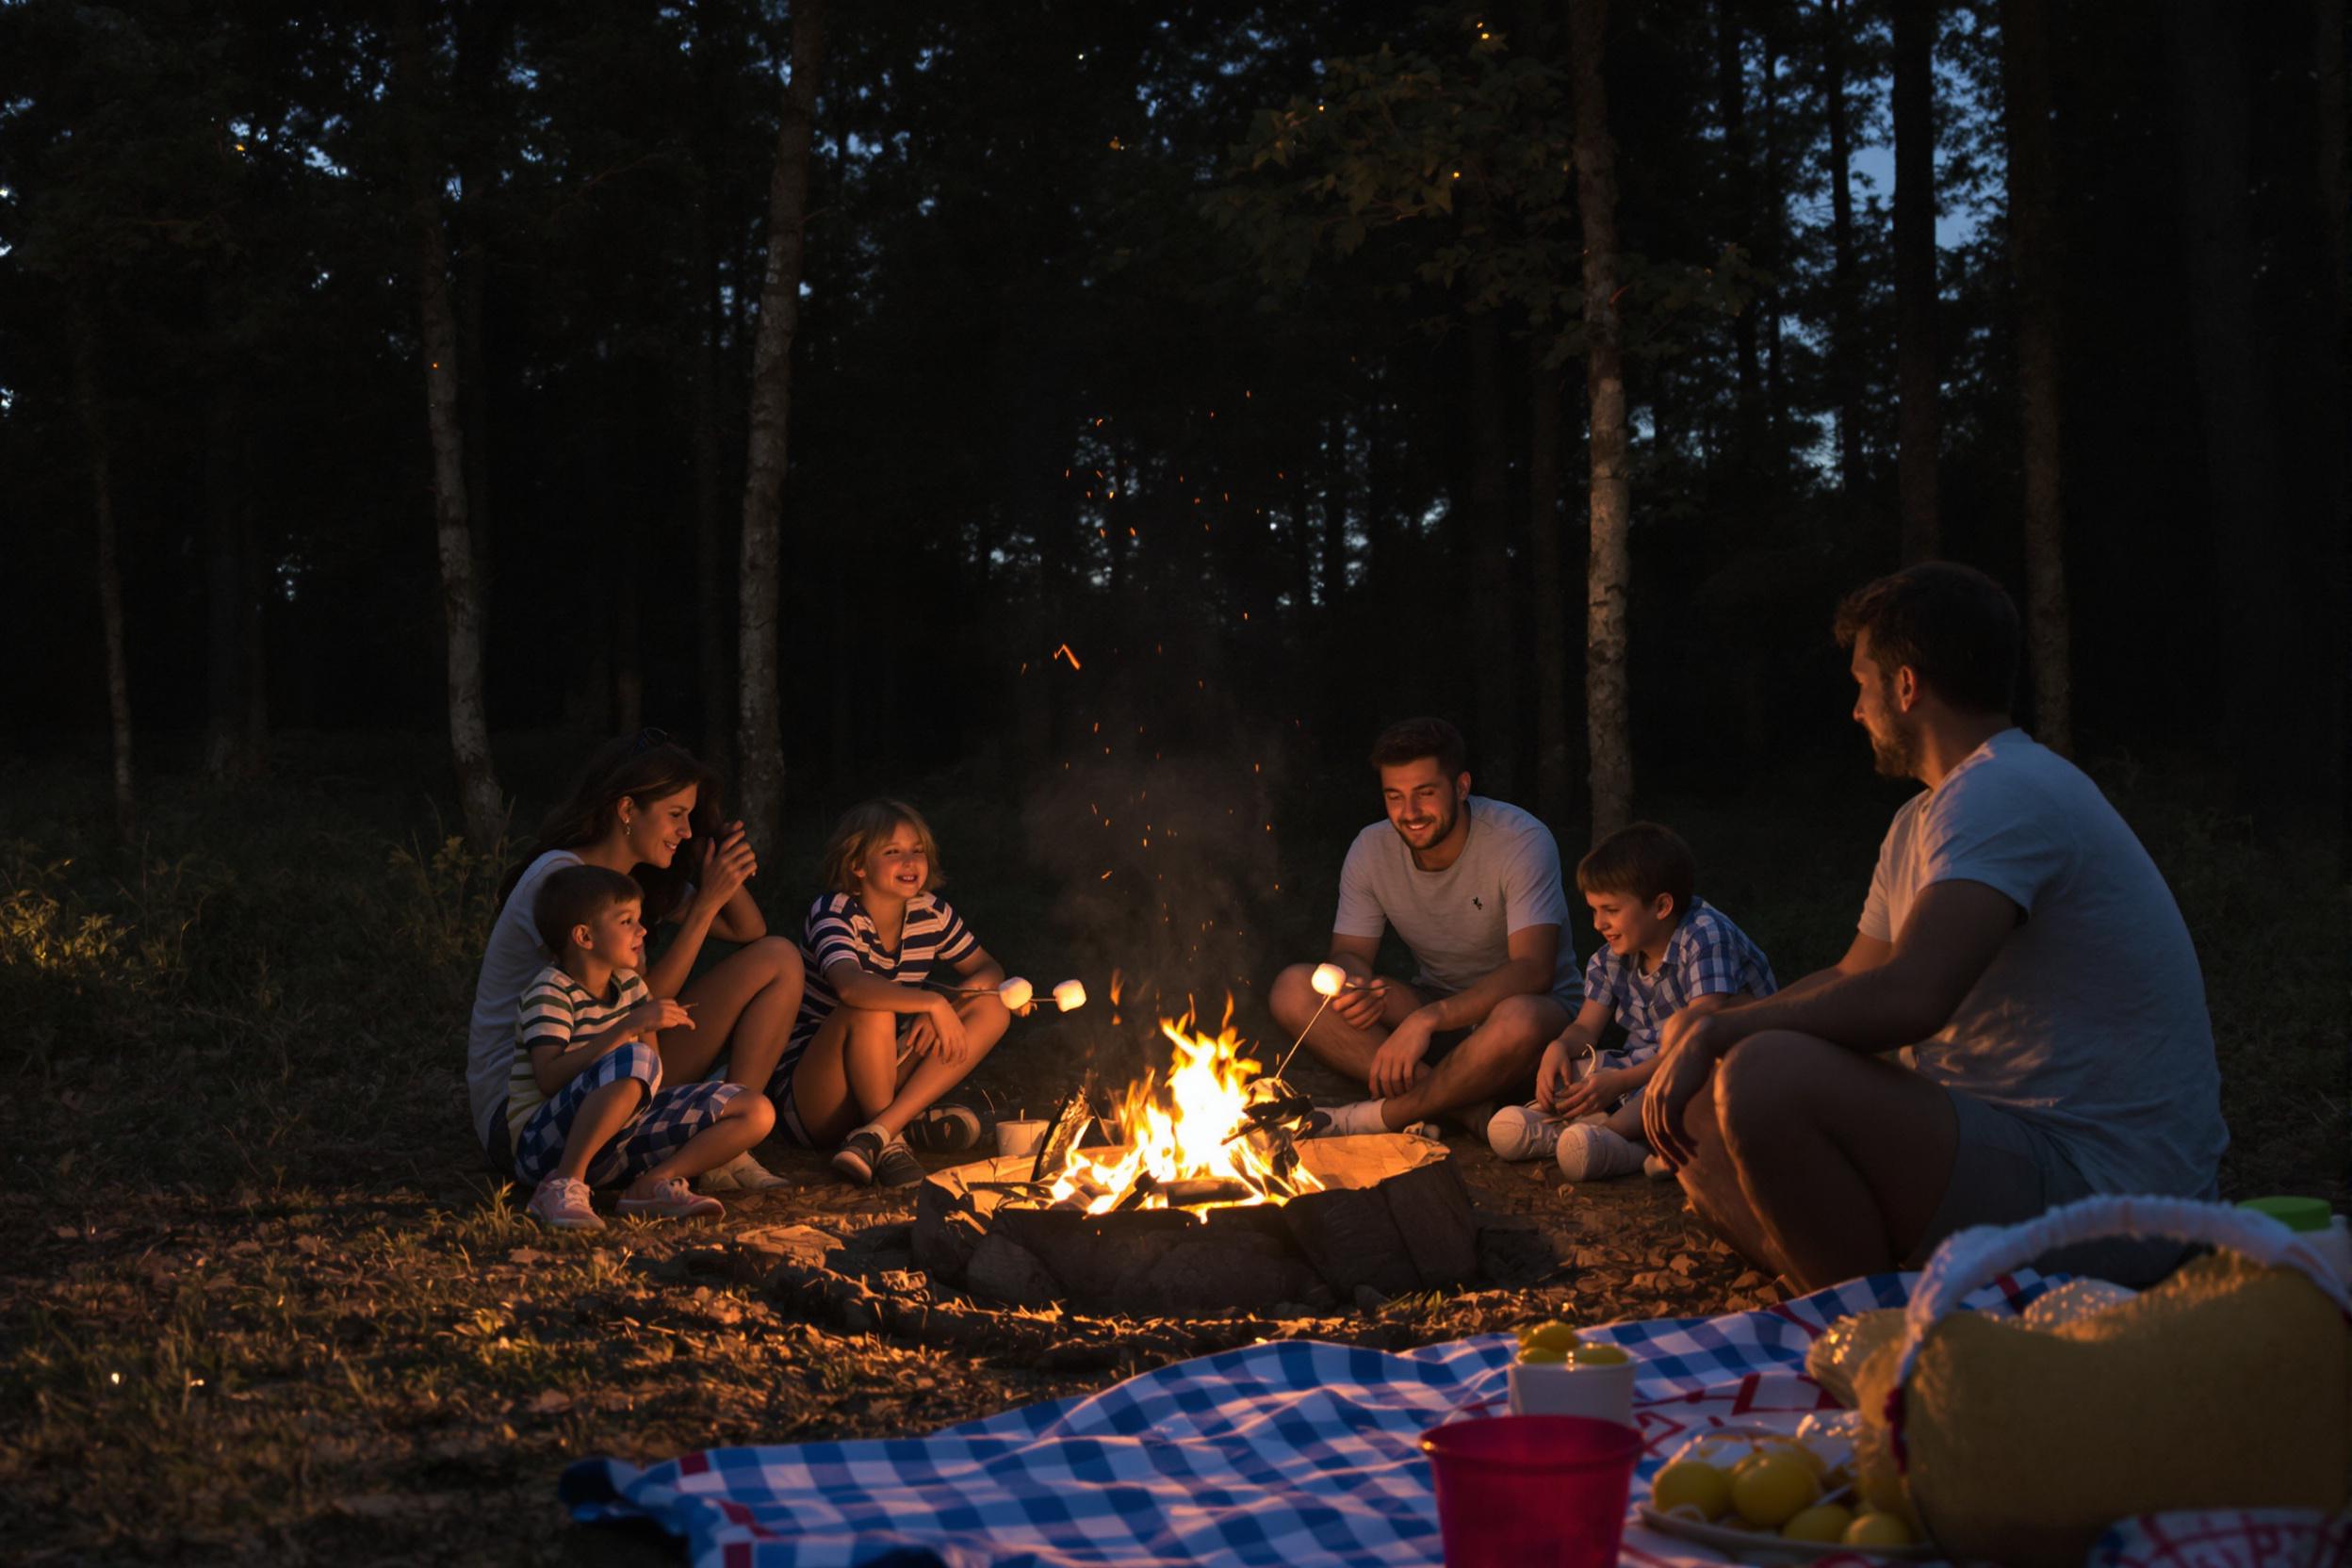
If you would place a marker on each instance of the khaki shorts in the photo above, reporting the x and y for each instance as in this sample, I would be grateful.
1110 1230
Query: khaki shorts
2004 1170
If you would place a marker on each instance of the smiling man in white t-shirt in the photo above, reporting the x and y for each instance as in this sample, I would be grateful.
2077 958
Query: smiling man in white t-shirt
2017 935
1473 888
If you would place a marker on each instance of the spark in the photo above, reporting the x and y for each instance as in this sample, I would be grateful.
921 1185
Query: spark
1063 652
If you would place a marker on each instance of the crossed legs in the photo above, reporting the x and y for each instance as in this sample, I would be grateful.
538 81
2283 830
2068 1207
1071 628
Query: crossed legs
1499 1053
851 1074
1816 1163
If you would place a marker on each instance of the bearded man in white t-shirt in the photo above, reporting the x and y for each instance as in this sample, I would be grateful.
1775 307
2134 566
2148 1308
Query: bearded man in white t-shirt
2017 936
1473 888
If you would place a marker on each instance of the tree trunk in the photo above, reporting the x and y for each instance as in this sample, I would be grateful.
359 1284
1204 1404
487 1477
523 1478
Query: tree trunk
710 618
1498 742
1845 351
224 587
1609 573
1918 429
256 650
1551 602
2034 263
479 799
2213 97
1739 168
2333 366
759 739
89 405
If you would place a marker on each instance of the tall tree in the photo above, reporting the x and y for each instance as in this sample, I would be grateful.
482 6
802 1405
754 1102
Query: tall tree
1740 202
1609 571
2033 261
1545 529
760 738
2213 93
1919 431
1845 349
479 799
1499 740
88 404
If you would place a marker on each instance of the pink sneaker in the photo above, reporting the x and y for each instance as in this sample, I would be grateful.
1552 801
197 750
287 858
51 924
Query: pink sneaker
562 1205
672 1199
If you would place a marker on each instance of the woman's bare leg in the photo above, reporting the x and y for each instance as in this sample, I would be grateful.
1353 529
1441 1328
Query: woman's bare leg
853 1058
743 1011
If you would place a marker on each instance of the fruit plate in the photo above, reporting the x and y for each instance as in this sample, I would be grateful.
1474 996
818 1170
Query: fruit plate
1759 1546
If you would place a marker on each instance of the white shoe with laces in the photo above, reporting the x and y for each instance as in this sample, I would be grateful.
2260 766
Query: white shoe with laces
1590 1152
1525 1131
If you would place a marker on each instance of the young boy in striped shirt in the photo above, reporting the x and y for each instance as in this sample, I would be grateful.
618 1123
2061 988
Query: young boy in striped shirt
1663 949
585 1106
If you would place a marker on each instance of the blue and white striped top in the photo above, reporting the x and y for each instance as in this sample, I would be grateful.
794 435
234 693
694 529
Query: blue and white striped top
837 927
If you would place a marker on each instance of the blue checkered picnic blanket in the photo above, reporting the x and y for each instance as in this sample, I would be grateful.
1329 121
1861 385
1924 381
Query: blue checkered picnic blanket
1289 1452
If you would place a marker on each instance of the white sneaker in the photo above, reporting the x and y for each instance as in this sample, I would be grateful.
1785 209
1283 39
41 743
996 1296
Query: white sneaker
740 1174
1656 1168
1589 1153
1525 1131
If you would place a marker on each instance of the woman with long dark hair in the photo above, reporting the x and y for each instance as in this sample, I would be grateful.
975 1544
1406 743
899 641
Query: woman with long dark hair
643 804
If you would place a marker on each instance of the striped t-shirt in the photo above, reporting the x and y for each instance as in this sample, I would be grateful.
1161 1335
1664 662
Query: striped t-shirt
556 1011
838 927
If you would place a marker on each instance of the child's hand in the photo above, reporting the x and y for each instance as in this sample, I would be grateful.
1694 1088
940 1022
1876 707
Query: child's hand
1596 1092
949 1025
655 1014
1551 1075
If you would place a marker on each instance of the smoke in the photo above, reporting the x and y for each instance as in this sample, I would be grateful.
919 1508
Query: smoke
1169 867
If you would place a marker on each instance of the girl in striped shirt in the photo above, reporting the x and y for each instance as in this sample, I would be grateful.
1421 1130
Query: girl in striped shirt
878 1040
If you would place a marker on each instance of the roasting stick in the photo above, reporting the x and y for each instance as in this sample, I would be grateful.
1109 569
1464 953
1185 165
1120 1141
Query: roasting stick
1329 981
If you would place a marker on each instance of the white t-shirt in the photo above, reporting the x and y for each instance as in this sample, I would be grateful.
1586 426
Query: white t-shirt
2090 1021
509 963
1458 922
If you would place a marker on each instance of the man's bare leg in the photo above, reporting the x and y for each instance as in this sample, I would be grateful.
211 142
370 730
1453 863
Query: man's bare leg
1336 1043
1712 1184
1842 1159
1498 1054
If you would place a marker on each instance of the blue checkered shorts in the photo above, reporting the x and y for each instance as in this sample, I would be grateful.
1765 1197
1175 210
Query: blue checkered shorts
666 1119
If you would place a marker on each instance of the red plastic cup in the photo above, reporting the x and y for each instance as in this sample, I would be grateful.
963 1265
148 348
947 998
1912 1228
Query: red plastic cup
1531 1491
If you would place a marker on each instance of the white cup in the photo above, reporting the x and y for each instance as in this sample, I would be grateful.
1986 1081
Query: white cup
1602 1392
1017 1137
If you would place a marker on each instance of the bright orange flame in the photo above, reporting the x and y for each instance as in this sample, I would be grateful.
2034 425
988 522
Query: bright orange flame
1181 1130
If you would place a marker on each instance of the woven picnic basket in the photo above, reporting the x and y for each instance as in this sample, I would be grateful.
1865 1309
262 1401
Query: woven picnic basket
2229 1385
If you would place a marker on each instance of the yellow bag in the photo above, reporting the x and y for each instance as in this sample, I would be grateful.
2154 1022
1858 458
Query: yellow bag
2229 1385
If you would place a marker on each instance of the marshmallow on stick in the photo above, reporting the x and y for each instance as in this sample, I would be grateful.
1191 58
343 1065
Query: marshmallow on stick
1069 995
1329 979
1015 993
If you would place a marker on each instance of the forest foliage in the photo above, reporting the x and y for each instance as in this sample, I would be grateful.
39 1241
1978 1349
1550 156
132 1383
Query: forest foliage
1204 341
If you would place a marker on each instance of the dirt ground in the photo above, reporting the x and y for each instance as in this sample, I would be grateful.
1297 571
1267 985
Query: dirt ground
401 1372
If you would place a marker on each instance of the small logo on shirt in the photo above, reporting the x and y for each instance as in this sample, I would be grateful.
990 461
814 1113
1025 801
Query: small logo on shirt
1477 903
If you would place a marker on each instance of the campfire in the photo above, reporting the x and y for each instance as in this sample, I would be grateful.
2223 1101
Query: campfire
1207 1199
1214 1133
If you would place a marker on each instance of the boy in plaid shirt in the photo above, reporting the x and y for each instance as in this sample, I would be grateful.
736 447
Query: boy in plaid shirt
1662 951
584 1102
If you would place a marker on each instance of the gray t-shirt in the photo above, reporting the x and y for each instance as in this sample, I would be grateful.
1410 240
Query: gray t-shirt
510 962
1458 922
2090 1023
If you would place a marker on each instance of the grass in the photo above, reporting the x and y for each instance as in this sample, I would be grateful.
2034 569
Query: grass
256 1303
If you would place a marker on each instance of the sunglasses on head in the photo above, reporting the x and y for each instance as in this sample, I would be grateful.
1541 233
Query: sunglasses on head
647 739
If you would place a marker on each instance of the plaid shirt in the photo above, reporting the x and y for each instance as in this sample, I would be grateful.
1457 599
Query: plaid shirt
1706 955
